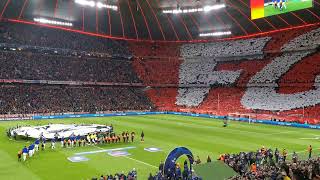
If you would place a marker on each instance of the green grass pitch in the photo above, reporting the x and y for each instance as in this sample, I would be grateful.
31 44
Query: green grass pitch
202 136
292 5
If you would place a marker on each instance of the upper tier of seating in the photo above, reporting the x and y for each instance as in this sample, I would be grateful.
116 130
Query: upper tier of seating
35 66
154 50
226 48
31 35
157 70
305 41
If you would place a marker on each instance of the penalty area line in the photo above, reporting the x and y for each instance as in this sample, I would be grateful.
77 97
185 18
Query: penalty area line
141 162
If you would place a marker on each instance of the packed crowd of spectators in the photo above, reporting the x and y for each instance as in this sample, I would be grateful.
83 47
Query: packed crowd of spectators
225 48
191 96
202 72
38 53
278 67
200 76
27 99
266 164
35 66
198 71
267 98
309 40
131 175
178 173
24 34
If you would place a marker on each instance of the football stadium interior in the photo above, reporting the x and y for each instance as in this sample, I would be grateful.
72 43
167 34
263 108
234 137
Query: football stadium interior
160 89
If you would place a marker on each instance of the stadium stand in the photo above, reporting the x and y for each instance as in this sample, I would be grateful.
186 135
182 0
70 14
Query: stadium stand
309 40
155 71
191 96
23 34
242 76
226 48
203 73
39 66
154 50
54 71
163 98
266 165
28 99
151 62
212 82
266 98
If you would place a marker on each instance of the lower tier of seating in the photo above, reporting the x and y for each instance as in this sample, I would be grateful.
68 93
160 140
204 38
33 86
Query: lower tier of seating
227 100
28 99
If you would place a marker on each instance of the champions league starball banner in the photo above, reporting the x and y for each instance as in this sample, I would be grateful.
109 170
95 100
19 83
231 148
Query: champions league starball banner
59 130
264 8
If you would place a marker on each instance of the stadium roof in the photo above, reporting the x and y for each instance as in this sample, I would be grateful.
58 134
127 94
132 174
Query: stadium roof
145 20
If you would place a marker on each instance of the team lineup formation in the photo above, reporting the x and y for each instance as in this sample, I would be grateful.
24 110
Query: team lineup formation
95 138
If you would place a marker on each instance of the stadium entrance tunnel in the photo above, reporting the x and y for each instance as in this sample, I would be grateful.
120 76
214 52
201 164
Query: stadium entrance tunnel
174 155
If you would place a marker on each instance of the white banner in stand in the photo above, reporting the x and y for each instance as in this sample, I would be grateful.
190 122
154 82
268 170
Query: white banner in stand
62 130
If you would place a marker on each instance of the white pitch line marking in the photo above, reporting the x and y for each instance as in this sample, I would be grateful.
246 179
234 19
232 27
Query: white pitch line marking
98 147
104 150
141 162
315 138
134 159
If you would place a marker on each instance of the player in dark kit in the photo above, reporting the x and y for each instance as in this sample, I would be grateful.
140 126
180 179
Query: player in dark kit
127 135
142 137
132 136
275 4
225 122
79 142
114 138
123 136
